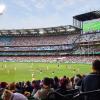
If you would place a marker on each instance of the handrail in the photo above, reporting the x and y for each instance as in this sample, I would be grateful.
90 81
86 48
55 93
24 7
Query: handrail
86 93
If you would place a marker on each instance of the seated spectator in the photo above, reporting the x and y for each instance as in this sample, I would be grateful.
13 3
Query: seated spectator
28 87
36 86
12 87
56 82
45 90
92 81
3 85
19 87
52 82
8 95
77 81
65 84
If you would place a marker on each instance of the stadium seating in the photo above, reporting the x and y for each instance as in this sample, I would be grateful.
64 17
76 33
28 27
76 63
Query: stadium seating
55 45
36 45
27 88
68 59
88 37
39 40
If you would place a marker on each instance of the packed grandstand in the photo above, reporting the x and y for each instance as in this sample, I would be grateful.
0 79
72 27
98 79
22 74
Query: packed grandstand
51 45
63 43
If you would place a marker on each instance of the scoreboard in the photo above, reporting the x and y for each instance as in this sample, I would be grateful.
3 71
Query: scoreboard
91 26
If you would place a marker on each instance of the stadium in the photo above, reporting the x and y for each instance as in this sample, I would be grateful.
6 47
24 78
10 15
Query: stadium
32 54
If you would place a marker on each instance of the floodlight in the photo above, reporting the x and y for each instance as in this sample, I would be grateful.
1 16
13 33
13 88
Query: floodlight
2 8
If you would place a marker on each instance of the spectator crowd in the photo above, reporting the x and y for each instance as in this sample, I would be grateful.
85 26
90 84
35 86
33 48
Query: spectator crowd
68 59
36 41
41 89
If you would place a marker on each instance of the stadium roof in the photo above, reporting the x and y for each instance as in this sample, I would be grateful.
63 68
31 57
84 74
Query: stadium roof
42 31
88 16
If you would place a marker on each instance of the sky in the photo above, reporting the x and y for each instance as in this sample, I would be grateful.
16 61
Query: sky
20 14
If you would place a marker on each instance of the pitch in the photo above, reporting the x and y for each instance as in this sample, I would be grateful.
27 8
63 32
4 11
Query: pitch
24 71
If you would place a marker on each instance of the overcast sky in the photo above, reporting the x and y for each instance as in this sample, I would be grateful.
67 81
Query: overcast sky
43 13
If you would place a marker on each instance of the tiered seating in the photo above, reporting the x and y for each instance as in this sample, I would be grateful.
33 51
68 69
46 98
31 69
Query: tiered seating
39 40
89 37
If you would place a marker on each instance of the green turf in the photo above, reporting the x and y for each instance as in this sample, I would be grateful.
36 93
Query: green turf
16 71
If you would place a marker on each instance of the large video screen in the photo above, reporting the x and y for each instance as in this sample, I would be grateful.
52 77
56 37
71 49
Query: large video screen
90 26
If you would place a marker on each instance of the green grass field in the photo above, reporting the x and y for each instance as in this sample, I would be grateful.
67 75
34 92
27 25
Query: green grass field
17 71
